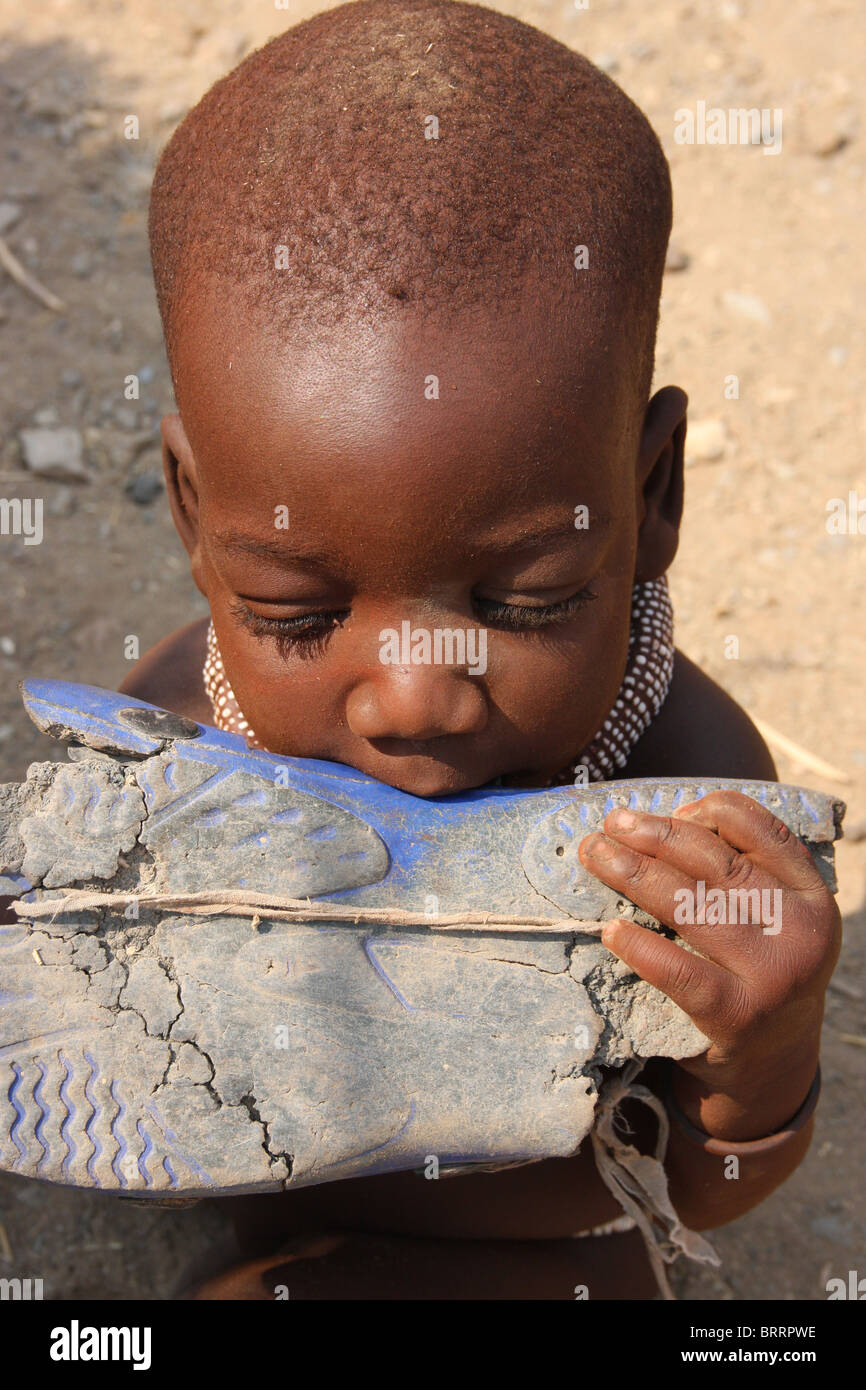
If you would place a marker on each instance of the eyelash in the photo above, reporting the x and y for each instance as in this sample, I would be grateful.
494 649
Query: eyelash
517 616
304 636
307 635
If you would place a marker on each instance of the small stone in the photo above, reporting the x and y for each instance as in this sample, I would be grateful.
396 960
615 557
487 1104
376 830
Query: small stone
63 502
608 62
676 259
46 418
146 374
53 453
749 306
125 416
831 1228
144 488
7 646
81 264
71 377
6 732
9 215
706 440
778 395
172 111
826 132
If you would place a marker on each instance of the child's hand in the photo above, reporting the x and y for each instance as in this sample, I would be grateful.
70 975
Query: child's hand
756 991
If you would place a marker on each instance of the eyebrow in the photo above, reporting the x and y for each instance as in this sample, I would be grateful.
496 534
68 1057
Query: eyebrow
275 550
543 536
329 560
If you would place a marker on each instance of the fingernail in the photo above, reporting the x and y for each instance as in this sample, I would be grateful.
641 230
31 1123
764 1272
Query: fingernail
600 848
622 819
610 932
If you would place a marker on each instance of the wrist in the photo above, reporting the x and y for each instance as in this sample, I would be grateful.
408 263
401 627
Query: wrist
748 1099
791 1132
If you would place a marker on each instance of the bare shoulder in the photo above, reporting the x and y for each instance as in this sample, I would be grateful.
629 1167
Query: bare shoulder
170 674
700 731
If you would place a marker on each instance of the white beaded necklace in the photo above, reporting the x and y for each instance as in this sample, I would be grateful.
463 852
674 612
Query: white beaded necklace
649 668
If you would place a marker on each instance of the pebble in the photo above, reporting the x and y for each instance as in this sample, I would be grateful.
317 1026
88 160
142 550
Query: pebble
7 646
9 215
172 111
125 416
705 440
53 453
6 731
676 259
608 62
826 132
63 502
831 1228
46 418
749 306
125 448
144 488
81 265
71 377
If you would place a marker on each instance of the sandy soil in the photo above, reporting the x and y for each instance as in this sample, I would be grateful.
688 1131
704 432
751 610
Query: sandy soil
769 289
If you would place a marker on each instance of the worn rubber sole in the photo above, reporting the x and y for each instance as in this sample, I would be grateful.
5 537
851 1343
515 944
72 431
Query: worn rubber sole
159 1054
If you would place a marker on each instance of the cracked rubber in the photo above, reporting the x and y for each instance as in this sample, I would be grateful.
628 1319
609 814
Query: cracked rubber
164 1056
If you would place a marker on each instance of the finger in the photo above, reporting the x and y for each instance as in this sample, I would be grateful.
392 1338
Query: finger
678 901
688 846
753 830
712 997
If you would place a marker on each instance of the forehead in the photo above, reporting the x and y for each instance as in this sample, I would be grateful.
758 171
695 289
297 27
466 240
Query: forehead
503 409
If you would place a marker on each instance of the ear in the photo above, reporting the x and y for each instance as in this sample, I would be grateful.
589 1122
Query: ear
660 481
181 480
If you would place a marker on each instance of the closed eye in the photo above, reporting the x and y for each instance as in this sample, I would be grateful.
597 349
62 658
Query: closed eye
517 616
303 635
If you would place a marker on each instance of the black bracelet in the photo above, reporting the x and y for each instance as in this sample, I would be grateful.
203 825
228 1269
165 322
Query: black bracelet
723 1147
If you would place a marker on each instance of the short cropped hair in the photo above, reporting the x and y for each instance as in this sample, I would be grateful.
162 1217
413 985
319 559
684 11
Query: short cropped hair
396 155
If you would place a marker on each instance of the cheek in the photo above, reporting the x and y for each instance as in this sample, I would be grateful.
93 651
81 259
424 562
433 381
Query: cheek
285 701
558 690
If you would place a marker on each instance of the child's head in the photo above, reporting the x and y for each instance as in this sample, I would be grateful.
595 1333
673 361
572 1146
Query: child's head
399 376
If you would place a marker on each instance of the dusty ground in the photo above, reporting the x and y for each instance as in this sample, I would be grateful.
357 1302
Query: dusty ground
770 292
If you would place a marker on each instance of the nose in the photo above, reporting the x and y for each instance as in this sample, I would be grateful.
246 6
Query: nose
417 703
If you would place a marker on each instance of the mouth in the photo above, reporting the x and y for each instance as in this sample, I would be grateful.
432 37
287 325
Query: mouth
423 767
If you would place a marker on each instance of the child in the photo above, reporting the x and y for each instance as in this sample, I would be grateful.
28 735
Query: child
408 259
